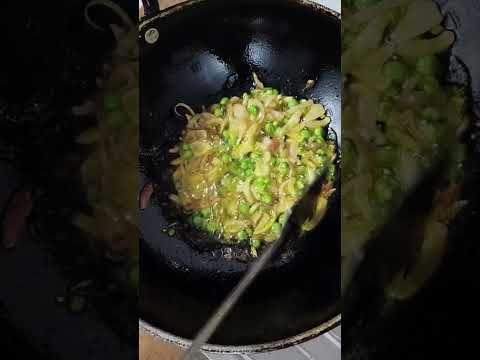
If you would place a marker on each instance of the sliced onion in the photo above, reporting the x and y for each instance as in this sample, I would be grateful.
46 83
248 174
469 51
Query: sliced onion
145 196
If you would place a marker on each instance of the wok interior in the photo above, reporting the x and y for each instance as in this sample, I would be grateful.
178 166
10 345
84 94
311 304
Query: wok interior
274 39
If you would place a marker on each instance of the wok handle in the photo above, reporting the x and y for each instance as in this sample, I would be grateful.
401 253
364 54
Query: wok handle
151 7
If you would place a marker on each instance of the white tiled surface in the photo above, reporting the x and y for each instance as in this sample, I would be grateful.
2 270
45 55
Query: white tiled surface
332 4
325 347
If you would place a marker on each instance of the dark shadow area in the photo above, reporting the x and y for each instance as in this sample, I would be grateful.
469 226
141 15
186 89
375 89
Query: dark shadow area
60 298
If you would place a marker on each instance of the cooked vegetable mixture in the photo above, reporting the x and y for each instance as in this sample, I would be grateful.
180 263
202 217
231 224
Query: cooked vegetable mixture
244 163
398 115
109 173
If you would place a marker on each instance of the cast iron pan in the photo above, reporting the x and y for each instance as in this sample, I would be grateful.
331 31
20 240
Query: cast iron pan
206 50
49 64
439 321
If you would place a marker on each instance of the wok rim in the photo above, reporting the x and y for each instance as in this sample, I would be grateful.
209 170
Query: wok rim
243 349
178 7
325 326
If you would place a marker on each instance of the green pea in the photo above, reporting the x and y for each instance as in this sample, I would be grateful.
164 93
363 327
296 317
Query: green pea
188 154
243 208
430 114
428 131
305 134
392 91
256 243
270 128
226 158
321 158
383 191
242 235
260 187
224 101
249 172
430 85
235 168
318 132
211 227
245 164
331 172
321 167
186 147
227 147
275 92
267 199
283 168
256 155
262 180
395 71
276 228
239 173
384 110
207 212
253 110
111 102
268 90
197 221
300 184
385 187
292 103
219 111
428 65
282 219
273 161
229 137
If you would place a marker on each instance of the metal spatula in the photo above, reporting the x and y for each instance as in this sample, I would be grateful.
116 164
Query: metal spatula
298 214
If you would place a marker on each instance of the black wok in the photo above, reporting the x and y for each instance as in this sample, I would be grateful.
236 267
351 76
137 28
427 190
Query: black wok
203 51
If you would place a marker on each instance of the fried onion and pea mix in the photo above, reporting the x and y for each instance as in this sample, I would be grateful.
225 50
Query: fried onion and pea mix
243 163
399 117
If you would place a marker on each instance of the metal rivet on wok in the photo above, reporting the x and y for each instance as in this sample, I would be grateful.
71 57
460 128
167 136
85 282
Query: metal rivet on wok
151 36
